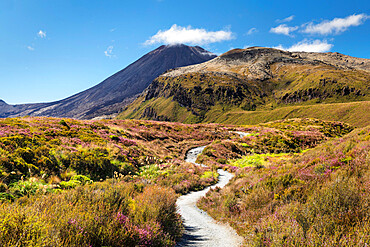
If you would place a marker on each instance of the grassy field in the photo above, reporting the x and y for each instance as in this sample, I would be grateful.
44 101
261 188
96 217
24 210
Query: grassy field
354 113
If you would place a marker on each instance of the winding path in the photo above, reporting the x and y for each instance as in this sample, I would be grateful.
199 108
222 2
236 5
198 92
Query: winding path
200 228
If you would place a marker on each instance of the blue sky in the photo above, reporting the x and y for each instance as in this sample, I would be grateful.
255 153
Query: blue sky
50 50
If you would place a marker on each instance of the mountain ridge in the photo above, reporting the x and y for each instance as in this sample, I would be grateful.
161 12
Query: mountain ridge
119 89
256 58
252 79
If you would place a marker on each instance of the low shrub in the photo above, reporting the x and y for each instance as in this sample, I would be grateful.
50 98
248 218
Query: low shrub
320 197
103 214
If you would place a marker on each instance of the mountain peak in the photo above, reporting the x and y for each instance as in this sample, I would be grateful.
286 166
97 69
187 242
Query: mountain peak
3 103
197 50
110 96
173 46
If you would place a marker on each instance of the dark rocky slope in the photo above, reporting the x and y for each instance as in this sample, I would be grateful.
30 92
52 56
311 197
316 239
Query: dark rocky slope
120 89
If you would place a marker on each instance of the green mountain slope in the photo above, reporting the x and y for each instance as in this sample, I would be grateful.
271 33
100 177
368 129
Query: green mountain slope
257 85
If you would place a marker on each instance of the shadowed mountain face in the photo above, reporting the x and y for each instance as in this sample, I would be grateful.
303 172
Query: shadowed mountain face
115 92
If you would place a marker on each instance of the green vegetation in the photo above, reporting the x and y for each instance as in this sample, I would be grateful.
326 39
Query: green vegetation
67 182
289 136
316 198
111 213
257 160
229 96
42 155
354 113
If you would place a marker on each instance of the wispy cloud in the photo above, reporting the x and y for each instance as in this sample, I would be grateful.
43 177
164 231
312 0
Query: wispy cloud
252 31
288 19
336 26
308 46
112 29
41 34
30 48
247 46
283 29
196 36
109 51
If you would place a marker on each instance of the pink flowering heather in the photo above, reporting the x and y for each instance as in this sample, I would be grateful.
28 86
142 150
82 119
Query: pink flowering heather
121 218
127 142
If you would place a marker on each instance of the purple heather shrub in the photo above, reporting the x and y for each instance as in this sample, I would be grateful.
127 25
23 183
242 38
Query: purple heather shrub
69 148
327 172
145 236
74 141
25 132
119 147
307 173
121 218
233 169
4 133
127 142
335 161
72 222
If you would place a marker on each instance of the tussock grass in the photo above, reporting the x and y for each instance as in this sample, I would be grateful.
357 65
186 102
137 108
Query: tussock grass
354 113
317 198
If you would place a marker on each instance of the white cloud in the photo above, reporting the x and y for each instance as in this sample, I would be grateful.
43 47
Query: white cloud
30 48
196 36
109 51
288 19
41 34
308 46
283 29
252 31
337 25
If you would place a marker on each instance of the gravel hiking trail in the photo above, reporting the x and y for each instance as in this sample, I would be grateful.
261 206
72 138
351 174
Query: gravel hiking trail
200 228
